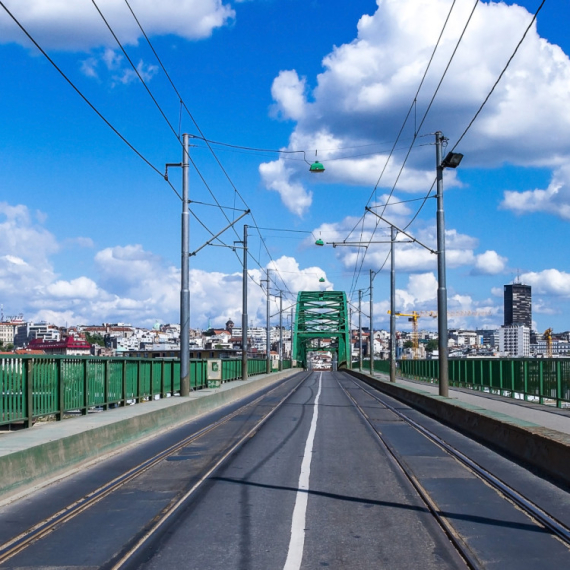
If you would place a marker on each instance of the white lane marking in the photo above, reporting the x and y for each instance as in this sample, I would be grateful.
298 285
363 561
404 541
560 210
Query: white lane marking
297 542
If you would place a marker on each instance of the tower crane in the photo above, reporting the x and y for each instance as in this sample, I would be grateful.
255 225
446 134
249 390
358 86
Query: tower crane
414 316
548 338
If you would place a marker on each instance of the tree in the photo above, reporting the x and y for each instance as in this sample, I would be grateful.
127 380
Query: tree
432 345
408 344
95 338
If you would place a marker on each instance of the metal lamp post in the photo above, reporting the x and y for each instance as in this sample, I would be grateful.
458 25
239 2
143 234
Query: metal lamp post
452 160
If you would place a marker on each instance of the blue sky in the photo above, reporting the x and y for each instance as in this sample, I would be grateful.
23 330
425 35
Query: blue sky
90 233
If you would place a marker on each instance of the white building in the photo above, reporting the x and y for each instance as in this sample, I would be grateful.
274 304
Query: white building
514 340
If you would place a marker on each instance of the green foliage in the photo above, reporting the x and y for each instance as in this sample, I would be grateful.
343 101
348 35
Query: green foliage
408 344
432 345
95 338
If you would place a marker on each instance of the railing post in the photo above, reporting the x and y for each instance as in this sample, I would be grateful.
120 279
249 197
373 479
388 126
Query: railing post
138 392
558 384
162 383
540 380
29 394
60 390
85 387
124 394
106 384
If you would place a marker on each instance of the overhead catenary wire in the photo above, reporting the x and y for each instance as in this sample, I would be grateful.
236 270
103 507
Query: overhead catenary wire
500 75
84 97
355 280
255 224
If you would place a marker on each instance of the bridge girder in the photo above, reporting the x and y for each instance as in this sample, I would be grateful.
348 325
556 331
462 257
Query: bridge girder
322 314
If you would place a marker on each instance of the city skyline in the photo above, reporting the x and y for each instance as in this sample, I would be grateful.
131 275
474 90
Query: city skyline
89 232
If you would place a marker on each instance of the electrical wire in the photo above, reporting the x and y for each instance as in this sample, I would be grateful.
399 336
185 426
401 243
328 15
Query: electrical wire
500 75
205 140
357 273
80 93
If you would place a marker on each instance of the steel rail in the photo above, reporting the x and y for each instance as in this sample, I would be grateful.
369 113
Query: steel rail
122 559
556 527
38 531
469 557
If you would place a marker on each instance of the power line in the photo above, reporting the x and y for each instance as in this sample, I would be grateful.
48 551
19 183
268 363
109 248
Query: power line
423 118
91 105
203 138
500 75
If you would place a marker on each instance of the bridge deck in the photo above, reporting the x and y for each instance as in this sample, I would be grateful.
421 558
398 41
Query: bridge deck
334 477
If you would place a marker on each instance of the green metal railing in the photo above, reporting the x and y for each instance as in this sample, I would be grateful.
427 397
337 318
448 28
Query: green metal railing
544 380
35 386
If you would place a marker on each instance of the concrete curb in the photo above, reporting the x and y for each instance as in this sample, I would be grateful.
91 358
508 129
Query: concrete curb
48 451
545 449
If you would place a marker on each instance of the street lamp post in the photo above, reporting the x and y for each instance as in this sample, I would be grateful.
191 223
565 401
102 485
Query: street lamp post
452 160
244 370
393 306
185 279
371 323
268 339
360 329
280 330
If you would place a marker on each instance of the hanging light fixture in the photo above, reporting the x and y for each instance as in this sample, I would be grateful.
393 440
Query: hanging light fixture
316 166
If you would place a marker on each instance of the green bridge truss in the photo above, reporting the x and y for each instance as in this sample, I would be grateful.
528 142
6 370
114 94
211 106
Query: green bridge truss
319 315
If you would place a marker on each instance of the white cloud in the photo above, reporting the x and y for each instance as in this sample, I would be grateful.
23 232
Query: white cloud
76 26
80 288
367 85
293 195
548 282
554 200
289 93
489 263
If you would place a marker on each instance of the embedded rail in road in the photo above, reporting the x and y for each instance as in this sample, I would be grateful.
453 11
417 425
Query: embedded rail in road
320 471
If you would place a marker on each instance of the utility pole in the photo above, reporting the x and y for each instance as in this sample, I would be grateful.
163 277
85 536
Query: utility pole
360 329
393 306
244 347
185 279
441 277
292 325
371 323
268 342
280 330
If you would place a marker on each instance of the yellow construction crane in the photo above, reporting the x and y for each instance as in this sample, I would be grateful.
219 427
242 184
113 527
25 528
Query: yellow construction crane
415 315
548 338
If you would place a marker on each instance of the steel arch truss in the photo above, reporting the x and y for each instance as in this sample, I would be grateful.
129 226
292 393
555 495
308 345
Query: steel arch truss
322 315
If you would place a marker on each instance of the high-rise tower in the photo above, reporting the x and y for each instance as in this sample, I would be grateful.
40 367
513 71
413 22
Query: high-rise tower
518 305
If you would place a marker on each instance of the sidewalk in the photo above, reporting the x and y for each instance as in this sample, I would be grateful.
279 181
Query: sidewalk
539 414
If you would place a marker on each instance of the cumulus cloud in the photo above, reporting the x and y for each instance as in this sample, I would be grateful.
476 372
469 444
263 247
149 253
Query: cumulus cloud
131 284
410 257
364 92
489 263
289 93
554 200
293 195
548 282
76 26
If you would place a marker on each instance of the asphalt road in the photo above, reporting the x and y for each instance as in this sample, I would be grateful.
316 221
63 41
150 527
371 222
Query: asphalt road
314 487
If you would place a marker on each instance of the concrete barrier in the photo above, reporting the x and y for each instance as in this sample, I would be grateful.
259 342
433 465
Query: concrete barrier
49 451
542 448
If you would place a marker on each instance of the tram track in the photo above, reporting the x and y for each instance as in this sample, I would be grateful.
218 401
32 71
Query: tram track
537 515
40 530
